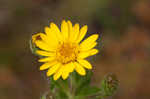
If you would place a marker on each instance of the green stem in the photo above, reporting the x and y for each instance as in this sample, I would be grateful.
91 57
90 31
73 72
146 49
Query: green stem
71 91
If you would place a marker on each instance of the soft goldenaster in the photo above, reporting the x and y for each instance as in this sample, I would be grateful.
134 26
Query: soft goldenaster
63 50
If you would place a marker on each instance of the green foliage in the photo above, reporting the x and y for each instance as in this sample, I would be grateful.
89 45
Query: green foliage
59 88
82 82
109 86
60 94
83 87
79 87
88 91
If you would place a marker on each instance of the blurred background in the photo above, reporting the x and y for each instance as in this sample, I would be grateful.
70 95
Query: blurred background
124 26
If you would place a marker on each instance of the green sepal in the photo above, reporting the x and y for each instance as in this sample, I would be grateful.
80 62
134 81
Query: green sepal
33 48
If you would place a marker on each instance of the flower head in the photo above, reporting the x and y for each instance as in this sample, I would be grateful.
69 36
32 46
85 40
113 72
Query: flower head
63 50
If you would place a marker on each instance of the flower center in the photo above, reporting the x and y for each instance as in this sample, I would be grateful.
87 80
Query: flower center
67 52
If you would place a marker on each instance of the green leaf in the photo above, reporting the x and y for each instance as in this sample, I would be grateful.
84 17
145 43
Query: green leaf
80 97
59 84
61 95
82 81
53 84
88 91
59 88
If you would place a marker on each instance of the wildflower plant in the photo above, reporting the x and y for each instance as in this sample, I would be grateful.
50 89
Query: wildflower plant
63 53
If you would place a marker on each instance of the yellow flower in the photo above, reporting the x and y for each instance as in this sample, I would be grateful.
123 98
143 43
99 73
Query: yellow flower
63 50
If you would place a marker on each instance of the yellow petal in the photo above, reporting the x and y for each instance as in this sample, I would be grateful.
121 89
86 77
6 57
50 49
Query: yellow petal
82 33
64 29
58 73
70 30
85 63
65 75
88 53
47 59
75 32
45 53
88 47
54 26
89 42
79 69
47 65
49 41
66 71
51 33
42 45
56 30
70 67
53 69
